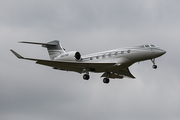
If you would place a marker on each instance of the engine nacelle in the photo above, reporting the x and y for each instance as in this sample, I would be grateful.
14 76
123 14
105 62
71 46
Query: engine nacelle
69 56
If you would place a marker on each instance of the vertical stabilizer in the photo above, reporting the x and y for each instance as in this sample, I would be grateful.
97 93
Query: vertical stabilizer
55 49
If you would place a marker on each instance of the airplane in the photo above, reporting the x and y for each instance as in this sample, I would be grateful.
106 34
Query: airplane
113 63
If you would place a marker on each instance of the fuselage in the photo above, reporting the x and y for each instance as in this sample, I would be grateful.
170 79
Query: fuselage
125 55
113 63
122 57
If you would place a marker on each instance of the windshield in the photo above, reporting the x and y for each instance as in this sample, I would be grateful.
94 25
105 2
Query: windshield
147 46
152 45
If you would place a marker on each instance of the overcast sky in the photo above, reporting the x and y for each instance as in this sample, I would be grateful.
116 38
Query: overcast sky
33 92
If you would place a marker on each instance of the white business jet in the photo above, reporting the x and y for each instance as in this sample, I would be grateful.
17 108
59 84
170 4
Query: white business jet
112 63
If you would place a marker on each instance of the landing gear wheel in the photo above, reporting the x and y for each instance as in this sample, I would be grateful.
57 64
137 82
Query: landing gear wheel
106 80
86 77
154 66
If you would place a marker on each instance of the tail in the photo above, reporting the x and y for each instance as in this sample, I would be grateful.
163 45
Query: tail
54 48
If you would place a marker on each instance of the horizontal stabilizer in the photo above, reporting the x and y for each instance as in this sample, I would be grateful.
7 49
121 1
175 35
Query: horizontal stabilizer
54 48
48 44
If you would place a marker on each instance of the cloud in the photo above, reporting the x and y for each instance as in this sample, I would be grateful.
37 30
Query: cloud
31 91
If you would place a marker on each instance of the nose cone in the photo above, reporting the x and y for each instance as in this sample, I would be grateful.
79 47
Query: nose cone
160 52
163 52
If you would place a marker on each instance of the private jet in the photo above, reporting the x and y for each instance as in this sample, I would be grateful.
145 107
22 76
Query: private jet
113 63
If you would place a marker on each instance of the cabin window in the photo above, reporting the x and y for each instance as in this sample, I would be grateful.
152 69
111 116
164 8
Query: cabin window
97 57
116 53
122 52
91 58
128 51
109 54
103 56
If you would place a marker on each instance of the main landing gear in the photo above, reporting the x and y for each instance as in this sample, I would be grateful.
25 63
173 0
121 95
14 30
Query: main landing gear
106 80
154 66
86 77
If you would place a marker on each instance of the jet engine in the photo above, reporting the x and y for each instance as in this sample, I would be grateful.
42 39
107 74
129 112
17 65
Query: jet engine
69 56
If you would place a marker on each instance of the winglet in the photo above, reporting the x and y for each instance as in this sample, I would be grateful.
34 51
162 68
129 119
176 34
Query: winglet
17 55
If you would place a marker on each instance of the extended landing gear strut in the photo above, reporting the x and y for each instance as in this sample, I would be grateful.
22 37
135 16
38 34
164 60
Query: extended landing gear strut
106 79
86 76
154 66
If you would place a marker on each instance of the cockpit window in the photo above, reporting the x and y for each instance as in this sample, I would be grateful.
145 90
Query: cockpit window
152 45
146 46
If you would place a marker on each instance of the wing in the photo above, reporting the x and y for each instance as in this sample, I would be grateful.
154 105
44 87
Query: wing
113 70
94 67
118 73
68 66
73 66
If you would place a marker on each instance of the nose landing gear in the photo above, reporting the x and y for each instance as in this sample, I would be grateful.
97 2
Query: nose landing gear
154 65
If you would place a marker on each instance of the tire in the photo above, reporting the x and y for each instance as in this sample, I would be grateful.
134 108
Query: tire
86 77
154 66
106 80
